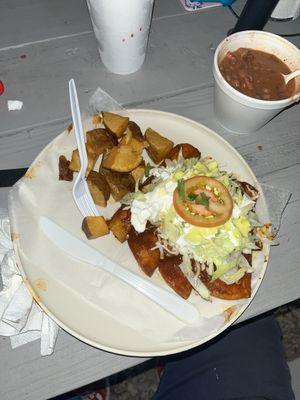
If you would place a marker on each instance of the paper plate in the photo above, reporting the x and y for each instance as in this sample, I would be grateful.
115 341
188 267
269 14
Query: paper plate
89 303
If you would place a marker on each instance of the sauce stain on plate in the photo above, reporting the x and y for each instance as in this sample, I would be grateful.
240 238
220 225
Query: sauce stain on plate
229 312
32 171
69 128
40 285
96 119
31 291
14 236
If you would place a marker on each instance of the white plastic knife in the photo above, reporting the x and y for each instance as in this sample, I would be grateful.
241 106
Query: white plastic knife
79 250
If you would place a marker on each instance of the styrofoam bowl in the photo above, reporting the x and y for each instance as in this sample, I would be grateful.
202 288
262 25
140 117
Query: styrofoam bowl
234 110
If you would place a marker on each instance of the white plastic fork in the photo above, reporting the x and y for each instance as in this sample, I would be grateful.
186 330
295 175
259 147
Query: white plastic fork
81 193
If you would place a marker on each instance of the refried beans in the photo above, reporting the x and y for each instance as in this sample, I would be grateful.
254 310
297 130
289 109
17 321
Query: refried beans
257 74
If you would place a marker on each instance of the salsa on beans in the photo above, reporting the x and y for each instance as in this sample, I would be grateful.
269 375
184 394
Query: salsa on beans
256 74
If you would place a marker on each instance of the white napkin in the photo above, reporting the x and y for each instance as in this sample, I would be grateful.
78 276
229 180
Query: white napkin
20 317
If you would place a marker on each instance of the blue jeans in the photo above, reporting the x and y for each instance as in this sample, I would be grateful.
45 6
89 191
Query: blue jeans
246 362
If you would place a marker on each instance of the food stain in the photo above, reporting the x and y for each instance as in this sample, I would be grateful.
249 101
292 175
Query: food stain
96 119
69 128
40 284
32 171
14 236
31 291
229 312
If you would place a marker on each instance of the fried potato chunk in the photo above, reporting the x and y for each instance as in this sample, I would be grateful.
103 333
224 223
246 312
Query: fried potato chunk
138 172
115 123
141 245
159 146
146 186
220 289
75 161
99 188
135 131
120 224
186 149
94 227
65 173
174 277
136 145
134 138
121 159
120 183
99 140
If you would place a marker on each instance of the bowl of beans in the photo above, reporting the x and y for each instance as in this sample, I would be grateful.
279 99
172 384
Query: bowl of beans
249 85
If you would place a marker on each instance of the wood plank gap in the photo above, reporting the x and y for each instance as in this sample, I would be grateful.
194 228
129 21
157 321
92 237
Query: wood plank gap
276 170
89 32
18 46
191 13
291 201
170 16
14 132
168 95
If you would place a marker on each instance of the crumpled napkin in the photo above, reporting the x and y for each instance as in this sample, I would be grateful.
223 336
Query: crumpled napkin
20 317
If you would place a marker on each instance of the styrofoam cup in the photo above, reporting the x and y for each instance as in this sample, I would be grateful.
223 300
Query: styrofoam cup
121 28
234 110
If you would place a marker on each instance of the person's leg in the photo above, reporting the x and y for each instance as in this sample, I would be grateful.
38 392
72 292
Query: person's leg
246 362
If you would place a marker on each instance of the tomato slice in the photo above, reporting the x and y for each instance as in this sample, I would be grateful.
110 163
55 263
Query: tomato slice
203 201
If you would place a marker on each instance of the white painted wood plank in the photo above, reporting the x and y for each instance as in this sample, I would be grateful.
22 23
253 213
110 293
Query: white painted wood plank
37 20
32 20
28 376
3 200
179 57
176 60
19 148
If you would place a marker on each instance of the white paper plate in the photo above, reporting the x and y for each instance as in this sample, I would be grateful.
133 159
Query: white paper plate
89 303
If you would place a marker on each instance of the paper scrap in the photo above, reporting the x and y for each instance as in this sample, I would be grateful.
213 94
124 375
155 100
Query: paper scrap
14 105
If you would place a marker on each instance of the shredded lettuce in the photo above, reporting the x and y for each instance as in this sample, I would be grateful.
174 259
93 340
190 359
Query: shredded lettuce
186 268
220 248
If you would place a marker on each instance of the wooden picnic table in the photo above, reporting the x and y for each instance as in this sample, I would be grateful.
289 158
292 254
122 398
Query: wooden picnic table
42 45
